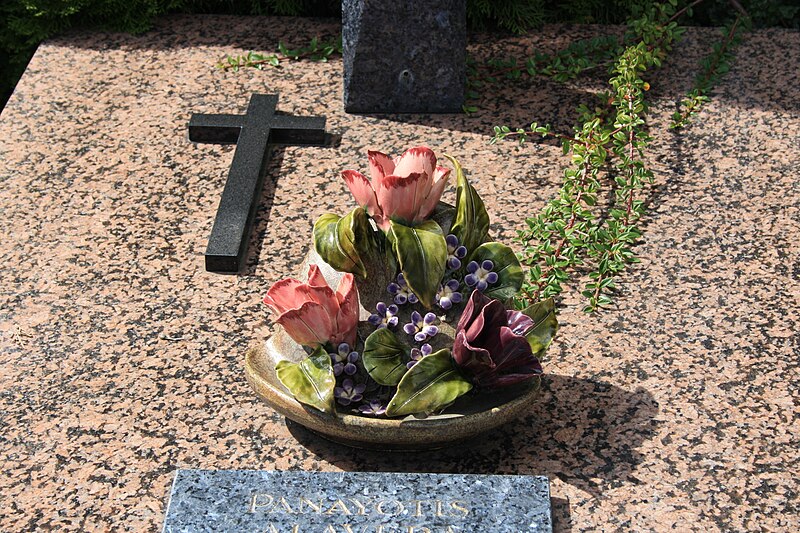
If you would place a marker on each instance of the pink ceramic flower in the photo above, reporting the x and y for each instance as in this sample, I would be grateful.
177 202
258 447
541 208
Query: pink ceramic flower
405 189
311 313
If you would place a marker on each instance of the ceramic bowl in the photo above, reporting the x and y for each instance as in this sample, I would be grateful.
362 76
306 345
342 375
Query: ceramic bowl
469 416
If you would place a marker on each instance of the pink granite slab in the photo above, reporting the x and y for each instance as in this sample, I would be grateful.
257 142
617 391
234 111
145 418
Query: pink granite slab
121 358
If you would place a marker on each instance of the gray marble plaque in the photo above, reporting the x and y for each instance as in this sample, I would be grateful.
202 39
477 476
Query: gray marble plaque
355 502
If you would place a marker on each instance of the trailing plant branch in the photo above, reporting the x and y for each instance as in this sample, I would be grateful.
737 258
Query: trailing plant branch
569 232
567 64
504 132
656 27
555 240
522 134
685 10
611 252
316 51
713 67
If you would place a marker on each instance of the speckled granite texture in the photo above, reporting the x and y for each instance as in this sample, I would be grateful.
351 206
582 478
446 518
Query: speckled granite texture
245 501
121 356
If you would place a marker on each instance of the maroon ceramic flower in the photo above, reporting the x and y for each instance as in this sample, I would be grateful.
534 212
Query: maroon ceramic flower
490 344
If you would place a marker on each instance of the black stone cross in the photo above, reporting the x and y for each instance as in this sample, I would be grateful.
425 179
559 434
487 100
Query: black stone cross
252 133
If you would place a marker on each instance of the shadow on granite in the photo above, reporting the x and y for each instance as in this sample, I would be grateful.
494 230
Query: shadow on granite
169 32
259 231
573 414
264 211
514 105
562 520
517 104
768 86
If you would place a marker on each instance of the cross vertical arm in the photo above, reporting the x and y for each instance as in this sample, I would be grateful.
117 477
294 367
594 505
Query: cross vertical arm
252 133
228 242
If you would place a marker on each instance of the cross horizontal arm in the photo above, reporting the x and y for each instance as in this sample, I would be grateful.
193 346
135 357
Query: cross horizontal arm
215 128
297 130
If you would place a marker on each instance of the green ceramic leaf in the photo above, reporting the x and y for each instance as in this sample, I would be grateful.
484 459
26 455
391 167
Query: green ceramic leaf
311 380
430 385
543 315
421 253
385 357
342 242
506 265
471 224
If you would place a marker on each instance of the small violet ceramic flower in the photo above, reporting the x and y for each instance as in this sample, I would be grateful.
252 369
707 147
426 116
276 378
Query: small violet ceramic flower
421 327
418 353
374 407
480 276
490 344
401 292
349 392
455 252
386 316
344 360
405 189
448 294
312 313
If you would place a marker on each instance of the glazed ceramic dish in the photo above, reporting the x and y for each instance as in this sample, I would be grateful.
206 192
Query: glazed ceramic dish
467 418
399 331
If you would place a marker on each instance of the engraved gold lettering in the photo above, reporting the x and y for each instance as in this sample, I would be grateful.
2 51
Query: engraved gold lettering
439 509
273 529
362 510
457 506
451 529
260 500
329 529
398 507
338 505
284 504
316 507
419 529
417 507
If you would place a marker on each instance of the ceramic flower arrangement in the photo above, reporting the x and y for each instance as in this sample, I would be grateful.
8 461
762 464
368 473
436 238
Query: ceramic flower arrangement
440 325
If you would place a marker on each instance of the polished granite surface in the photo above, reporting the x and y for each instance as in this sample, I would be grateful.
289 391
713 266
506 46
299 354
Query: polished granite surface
121 357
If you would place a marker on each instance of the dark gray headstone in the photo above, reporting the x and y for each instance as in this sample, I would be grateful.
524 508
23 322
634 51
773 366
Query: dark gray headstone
356 502
404 56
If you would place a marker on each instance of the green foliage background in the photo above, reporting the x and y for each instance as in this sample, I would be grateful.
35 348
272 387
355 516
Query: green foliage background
26 23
